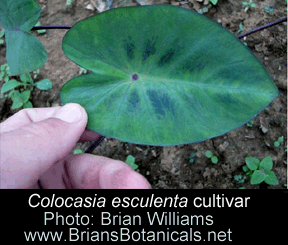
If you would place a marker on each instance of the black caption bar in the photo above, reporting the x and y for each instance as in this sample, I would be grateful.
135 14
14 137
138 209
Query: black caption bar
144 215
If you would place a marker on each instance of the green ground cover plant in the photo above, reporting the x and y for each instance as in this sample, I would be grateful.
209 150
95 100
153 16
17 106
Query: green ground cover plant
260 171
130 161
250 123
192 157
209 154
239 178
279 141
249 5
10 88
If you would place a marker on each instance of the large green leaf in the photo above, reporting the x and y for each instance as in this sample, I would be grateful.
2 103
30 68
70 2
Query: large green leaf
24 52
163 75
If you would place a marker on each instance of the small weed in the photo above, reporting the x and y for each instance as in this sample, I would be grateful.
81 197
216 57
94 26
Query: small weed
248 5
82 71
269 9
69 2
250 124
192 157
206 8
214 2
40 31
77 151
209 154
279 141
239 31
239 178
21 98
130 160
4 72
36 74
260 171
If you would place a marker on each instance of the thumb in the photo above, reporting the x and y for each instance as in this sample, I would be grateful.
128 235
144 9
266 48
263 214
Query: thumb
28 151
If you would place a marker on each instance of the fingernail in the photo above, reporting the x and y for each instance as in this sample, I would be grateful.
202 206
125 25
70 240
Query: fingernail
70 113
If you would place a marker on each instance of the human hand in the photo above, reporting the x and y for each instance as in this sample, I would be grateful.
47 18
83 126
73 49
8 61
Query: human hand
35 144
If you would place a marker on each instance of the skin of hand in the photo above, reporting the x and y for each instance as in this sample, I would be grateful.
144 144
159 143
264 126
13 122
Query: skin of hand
35 145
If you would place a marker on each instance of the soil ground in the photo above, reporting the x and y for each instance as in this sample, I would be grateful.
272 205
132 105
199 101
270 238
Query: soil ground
169 167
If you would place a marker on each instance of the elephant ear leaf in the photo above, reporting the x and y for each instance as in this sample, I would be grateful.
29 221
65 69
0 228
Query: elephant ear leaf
23 51
163 75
